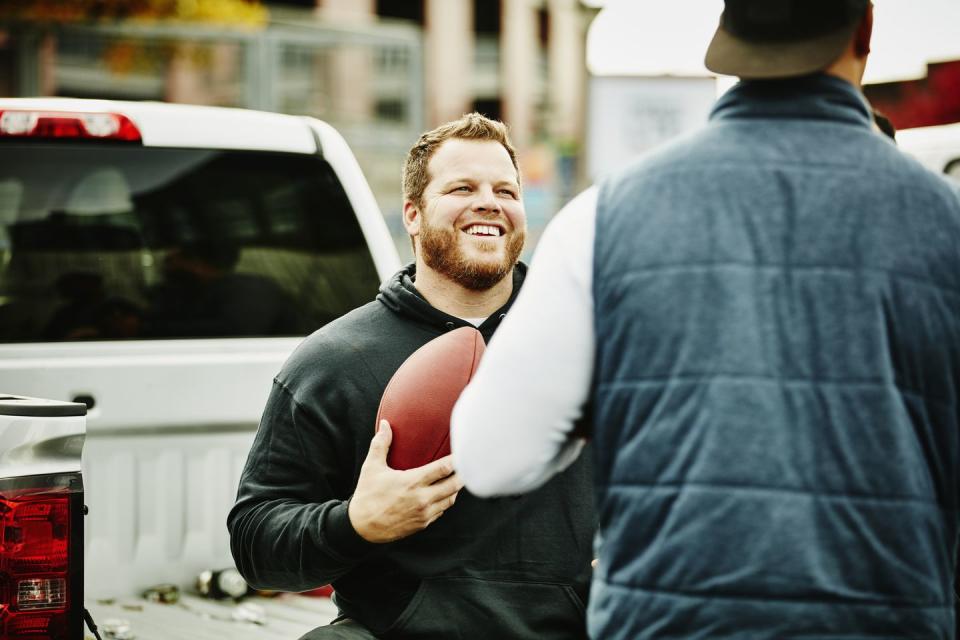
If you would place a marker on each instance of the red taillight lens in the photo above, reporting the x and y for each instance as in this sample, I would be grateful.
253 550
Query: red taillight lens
62 124
35 534
36 627
40 557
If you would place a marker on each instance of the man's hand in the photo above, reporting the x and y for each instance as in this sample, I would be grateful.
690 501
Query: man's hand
389 504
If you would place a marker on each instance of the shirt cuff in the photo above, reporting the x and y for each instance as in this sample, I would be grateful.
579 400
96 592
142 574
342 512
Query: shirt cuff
342 537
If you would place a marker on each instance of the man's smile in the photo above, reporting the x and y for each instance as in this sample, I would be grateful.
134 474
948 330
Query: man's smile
484 230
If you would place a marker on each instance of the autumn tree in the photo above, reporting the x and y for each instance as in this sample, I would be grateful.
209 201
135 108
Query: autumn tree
233 12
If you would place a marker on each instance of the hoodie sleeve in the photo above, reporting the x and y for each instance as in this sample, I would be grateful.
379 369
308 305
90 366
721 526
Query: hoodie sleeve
289 528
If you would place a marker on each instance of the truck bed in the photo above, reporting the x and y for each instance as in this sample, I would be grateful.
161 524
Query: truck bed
286 616
158 503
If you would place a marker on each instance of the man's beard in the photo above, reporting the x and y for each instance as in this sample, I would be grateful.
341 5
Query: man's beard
442 253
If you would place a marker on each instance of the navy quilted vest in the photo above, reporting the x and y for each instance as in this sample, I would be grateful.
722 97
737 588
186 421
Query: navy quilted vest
778 357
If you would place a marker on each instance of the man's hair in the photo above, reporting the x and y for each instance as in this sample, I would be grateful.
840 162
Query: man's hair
472 126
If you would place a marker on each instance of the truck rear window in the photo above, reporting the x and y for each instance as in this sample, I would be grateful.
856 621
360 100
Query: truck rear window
115 242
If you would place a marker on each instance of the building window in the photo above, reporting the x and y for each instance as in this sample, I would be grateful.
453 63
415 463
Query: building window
401 9
489 107
486 16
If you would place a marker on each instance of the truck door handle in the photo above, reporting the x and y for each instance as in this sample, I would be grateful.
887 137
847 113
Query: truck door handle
87 399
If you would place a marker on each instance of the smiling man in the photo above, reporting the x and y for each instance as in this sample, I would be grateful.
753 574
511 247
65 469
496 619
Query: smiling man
409 554
465 217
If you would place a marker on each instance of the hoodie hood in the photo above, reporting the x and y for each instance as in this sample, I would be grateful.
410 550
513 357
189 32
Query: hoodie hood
401 296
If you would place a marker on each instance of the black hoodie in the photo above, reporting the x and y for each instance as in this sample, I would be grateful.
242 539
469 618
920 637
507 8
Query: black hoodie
503 568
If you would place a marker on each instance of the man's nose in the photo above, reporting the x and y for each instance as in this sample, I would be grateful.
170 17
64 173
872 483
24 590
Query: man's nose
486 200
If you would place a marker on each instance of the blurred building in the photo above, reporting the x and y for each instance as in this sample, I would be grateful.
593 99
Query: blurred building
381 71
521 61
923 102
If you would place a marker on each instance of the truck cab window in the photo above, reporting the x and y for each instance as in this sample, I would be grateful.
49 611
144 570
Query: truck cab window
116 242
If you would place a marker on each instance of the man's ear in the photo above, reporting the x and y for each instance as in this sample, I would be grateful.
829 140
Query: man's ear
864 34
411 218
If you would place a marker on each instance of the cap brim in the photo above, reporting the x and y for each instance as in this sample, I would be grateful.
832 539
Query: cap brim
731 56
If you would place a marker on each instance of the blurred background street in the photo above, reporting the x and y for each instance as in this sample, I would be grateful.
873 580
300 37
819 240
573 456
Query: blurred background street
580 92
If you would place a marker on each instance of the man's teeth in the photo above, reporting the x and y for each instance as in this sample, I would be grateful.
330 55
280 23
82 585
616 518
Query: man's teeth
483 230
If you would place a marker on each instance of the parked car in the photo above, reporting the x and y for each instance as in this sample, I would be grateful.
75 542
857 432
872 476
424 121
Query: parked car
937 147
158 263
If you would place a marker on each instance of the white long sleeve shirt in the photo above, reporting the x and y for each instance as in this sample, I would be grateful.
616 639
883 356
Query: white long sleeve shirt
510 429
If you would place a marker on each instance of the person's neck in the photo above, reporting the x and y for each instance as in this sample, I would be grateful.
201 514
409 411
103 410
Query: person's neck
849 68
456 300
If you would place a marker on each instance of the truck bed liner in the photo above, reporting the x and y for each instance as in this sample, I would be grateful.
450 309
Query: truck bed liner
288 616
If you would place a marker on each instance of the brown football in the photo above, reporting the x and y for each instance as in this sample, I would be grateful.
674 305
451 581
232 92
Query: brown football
420 396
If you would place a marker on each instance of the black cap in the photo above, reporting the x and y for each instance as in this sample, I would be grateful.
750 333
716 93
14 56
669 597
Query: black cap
782 38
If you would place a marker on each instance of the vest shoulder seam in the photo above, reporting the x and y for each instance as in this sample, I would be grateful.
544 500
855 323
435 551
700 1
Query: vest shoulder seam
630 273
766 597
827 496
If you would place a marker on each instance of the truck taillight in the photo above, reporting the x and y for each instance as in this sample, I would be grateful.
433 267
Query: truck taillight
22 123
41 557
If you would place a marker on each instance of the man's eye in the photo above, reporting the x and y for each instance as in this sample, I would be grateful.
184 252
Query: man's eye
508 192
463 188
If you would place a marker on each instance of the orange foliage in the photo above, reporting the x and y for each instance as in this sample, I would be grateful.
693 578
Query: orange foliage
236 12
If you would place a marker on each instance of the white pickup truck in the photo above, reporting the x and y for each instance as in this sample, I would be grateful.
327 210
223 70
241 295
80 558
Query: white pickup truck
937 147
157 265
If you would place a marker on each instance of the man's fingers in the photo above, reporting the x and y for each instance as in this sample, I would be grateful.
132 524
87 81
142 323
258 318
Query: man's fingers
449 502
445 488
436 470
439 508
380 444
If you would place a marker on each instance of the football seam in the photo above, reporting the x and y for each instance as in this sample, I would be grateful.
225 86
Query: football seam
475 361
446 439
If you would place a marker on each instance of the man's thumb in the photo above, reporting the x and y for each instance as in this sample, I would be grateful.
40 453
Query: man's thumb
380 444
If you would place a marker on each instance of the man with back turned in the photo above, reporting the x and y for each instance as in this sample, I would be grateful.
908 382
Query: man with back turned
764 321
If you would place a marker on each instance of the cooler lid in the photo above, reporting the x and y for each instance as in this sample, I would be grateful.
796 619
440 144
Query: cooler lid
37 407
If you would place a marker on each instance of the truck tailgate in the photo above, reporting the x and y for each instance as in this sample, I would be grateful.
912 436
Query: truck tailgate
195 618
